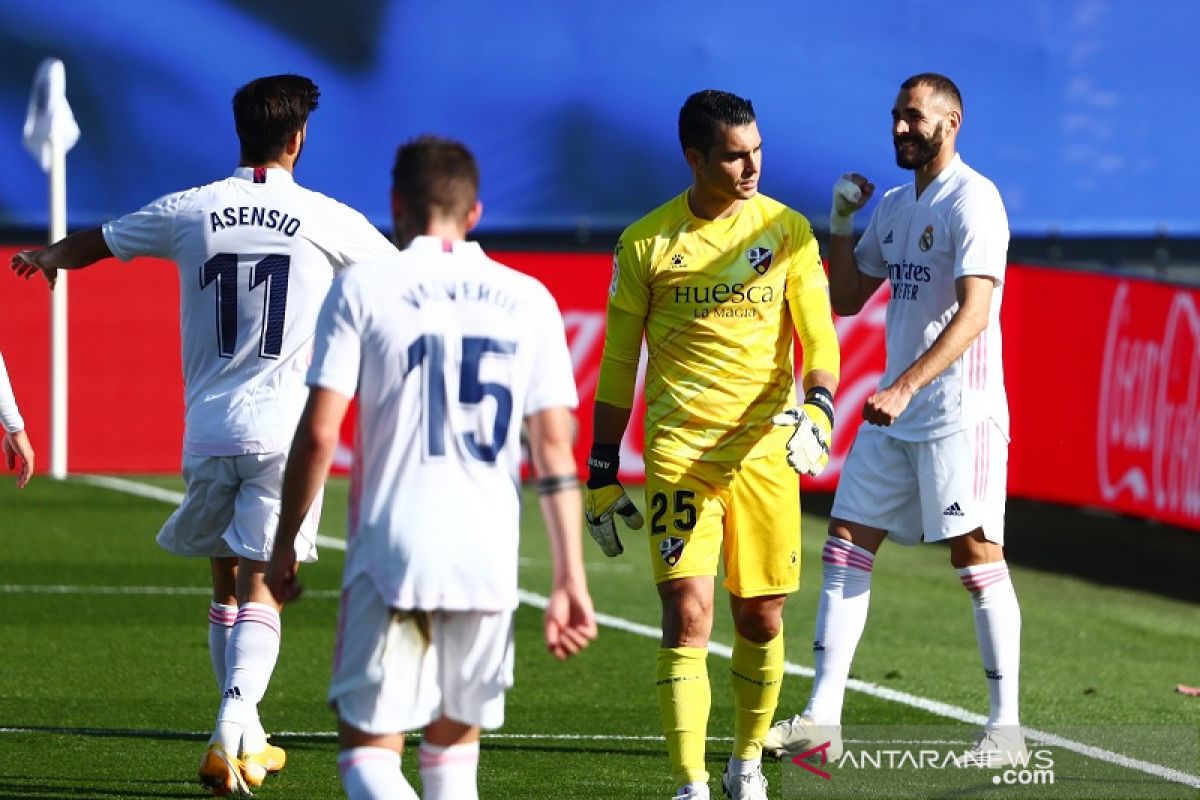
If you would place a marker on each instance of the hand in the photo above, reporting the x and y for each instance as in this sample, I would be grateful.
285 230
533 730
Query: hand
27 262
281 573
17 448
808 447
850 193
603 496
883 407
570 621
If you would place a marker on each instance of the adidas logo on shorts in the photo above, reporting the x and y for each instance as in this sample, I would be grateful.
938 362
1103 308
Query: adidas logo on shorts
954 510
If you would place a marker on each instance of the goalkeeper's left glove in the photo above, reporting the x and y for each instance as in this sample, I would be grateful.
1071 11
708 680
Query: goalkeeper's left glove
605 495
808 447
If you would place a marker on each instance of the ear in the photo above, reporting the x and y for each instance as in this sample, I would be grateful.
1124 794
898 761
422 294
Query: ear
694 157
954 120
474 215
397 209
295 141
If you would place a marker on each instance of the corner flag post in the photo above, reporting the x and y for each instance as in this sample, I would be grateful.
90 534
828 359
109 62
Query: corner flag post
50 131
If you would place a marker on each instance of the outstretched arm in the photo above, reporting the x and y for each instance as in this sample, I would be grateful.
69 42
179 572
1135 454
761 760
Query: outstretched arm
13 441
570 619
74 252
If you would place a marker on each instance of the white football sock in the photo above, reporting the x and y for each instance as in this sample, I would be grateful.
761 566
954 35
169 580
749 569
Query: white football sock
841 617
249 661
998 631
220 623
448 773
373 773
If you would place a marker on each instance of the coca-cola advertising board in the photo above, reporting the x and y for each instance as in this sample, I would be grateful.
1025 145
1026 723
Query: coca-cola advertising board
1103 376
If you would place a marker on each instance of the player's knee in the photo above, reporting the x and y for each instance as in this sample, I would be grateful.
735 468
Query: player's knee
759 619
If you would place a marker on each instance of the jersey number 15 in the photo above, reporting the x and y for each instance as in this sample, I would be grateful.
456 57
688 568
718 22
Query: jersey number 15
429 351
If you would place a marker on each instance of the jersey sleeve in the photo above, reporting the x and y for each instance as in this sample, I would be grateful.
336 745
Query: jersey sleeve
337 344
10 417
808 303
868 253
149 231
552 377
980 231
804 269
629 289
357 241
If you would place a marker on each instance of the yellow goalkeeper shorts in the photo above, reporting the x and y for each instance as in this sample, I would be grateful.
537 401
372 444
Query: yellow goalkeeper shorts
747 513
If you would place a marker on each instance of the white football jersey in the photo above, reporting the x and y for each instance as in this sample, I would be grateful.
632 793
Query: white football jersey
957 227
256 254
447 355
10 417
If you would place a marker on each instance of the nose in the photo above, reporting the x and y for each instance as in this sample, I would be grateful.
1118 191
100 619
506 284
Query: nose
899 127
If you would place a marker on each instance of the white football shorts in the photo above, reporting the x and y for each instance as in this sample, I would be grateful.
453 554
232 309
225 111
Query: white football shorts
396 671
231 508
931 490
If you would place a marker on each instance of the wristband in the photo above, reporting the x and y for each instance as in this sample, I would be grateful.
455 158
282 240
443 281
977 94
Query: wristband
552 484
822 398
603 463
839 225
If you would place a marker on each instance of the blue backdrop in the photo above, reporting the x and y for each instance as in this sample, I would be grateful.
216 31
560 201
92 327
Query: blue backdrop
1084 112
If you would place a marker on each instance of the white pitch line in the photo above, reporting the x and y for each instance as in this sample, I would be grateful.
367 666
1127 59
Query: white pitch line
332 735
926 704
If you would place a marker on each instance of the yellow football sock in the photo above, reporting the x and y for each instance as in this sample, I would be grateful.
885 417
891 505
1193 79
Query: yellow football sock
684 698
756 672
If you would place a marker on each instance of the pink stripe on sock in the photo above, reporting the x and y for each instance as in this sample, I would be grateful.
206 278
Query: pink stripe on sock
221 617
428 759
267 618
844 554
975 581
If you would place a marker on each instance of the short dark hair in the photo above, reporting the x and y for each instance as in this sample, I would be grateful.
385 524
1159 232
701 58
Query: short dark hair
432 175
705 112
267 111
940 84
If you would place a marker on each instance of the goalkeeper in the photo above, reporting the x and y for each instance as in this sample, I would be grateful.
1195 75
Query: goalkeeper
719 279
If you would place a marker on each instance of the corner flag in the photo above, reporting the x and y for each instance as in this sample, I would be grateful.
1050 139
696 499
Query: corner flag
50 131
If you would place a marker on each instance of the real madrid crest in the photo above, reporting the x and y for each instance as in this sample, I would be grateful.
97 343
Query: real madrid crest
760 259
926 239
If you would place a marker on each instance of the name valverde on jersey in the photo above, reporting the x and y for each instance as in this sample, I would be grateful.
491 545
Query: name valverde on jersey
957 227
256 254
713 297
448 352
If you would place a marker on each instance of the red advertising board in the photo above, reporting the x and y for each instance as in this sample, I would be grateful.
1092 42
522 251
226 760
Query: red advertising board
1103 376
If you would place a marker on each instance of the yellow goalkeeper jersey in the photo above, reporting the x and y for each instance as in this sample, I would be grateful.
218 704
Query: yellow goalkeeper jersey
712 296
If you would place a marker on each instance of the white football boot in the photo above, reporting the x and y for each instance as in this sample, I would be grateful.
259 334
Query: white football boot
789 738
745 787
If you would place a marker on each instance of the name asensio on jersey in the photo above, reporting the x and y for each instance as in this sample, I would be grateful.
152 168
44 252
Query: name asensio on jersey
231 217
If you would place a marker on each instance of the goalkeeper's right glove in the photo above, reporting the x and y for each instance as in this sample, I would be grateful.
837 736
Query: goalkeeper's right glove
603 496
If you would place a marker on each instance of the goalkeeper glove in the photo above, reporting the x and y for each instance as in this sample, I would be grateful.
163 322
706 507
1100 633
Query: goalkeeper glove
808 447
603 496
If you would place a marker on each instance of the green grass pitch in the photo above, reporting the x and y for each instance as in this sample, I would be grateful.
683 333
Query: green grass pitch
107 690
